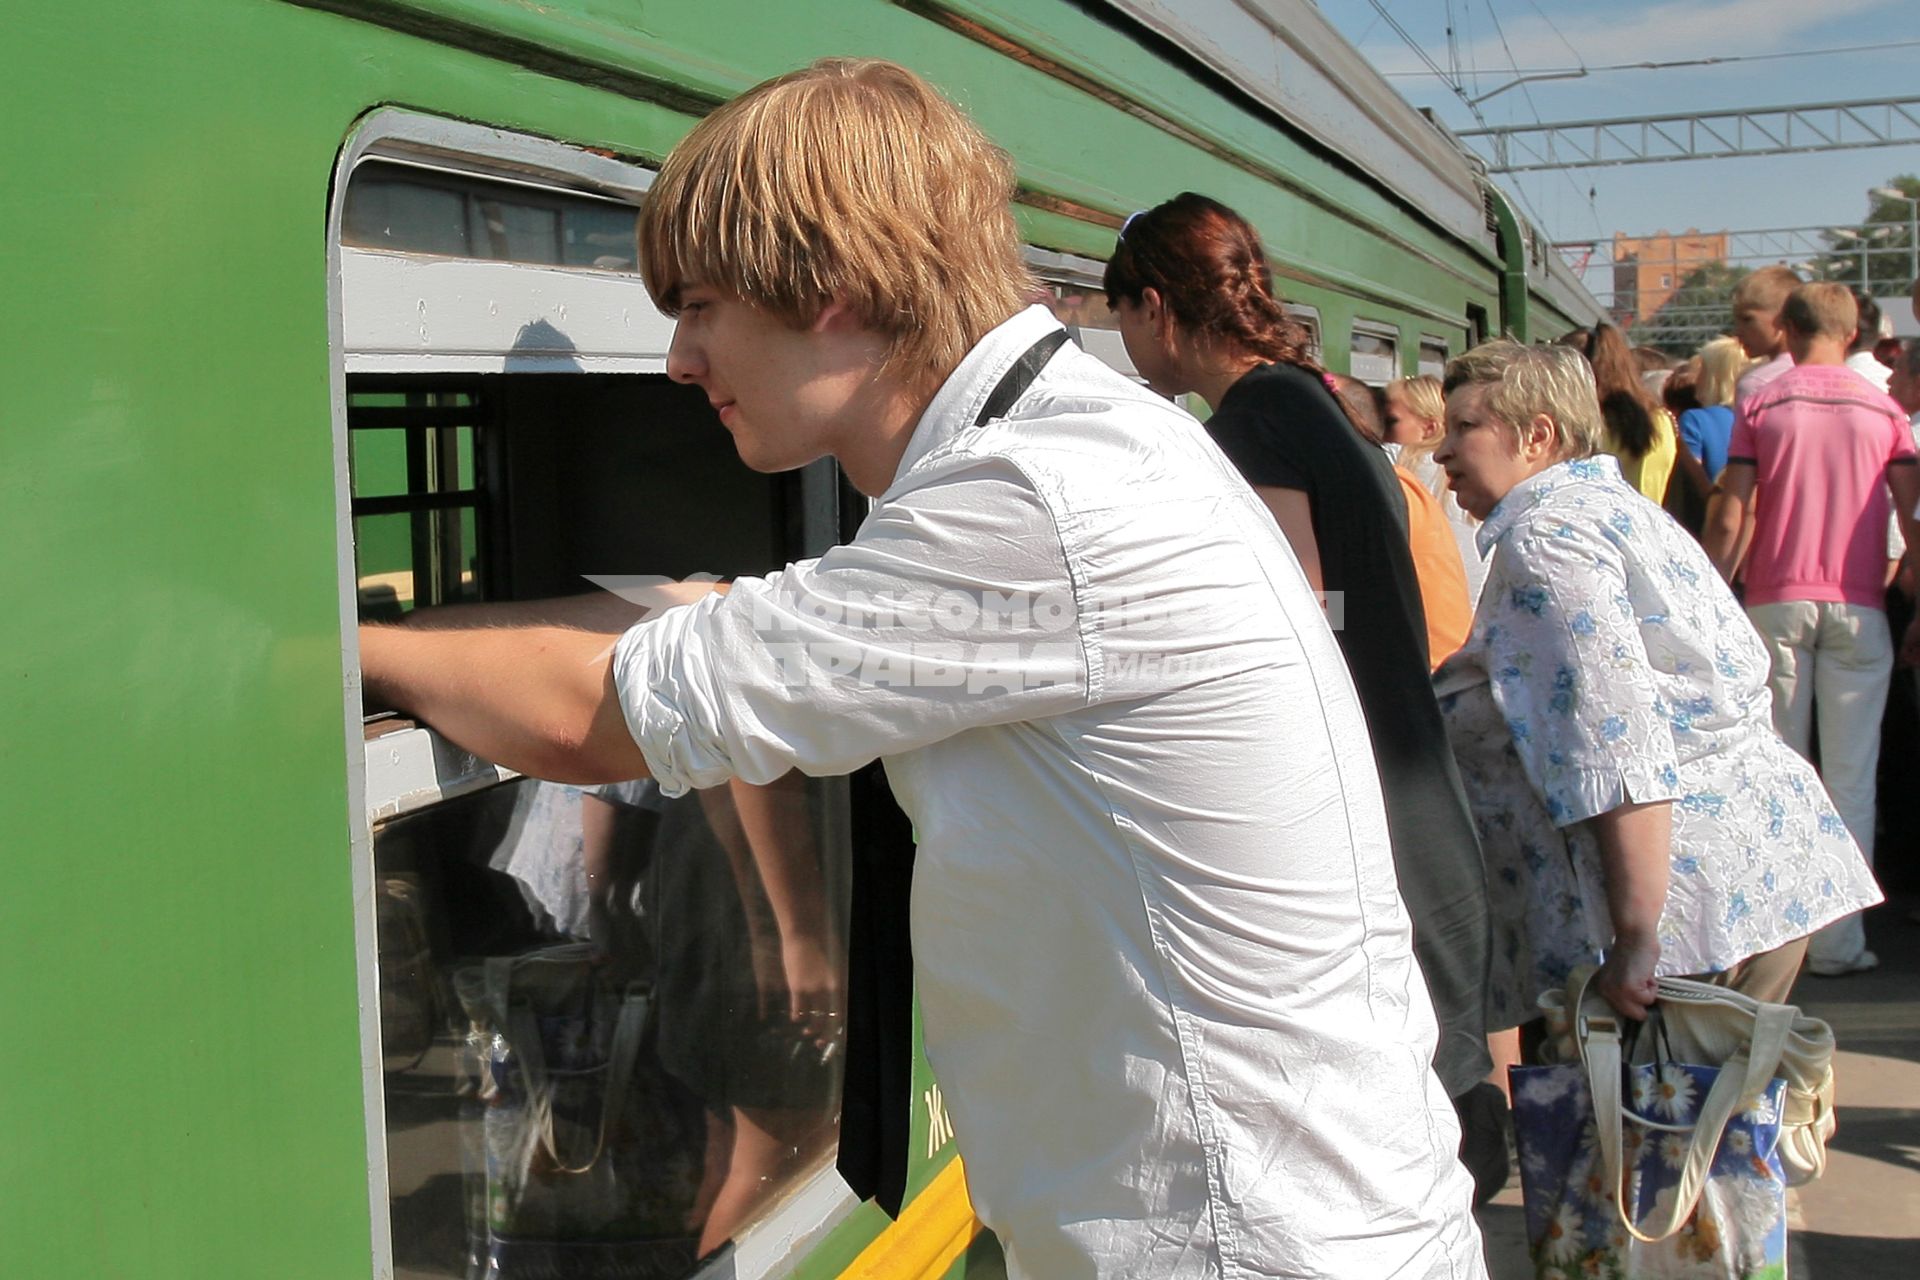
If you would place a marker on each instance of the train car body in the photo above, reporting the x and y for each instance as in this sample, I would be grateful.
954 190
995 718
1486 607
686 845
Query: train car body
327 309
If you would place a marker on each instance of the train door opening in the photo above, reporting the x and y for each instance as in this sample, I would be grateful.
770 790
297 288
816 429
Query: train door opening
601 1022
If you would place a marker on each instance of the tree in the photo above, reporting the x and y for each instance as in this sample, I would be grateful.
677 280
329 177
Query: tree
1700 309
1878 252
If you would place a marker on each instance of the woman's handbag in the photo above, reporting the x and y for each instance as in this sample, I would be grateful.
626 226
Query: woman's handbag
1669 1154
583 1173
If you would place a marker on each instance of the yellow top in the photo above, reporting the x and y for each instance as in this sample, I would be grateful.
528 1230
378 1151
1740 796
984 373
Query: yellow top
1650 473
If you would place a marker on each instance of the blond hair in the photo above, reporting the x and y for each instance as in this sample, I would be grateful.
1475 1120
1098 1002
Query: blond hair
1423 398
1554 381
1822 310
1765 289
850 181
1422 395
1722 361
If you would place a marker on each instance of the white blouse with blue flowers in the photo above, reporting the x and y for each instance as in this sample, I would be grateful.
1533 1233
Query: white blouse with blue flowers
1609 664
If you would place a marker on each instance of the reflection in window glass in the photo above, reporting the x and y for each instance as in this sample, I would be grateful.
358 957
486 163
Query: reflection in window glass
599 236
405 209
512 231
386 213
1374 357
1433 358
612 1022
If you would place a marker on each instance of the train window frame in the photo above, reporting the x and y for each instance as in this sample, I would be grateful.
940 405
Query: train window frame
1308 318
1070 271
407 769
1426 367
1369 332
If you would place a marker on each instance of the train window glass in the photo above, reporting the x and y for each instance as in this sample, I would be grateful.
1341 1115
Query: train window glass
1374 353
407 209
609 1023
513 231
1433 357
1307 318
706 934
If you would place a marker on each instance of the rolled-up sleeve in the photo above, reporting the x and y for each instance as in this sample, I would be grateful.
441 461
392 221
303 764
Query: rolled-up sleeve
1570 672
953 608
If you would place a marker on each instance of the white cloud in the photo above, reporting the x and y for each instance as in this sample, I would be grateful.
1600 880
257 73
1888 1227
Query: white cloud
1662 31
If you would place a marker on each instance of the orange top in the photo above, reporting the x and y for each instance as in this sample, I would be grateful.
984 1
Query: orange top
1436 563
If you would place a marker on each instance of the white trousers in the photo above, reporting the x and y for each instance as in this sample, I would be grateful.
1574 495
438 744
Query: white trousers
1834 661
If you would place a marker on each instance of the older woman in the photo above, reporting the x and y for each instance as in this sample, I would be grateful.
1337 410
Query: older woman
1611 719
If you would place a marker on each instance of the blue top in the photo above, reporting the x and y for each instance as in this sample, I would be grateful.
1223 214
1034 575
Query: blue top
1705 432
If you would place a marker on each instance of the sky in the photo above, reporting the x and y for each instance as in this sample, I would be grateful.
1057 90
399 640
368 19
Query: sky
1815 189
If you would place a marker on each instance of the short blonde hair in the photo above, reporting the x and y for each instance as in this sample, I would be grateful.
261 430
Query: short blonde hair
1816 310
1722 361
1421 395
852 180
1765 290
1555 381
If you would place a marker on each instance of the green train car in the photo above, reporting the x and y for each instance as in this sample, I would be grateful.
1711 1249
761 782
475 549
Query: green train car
327 309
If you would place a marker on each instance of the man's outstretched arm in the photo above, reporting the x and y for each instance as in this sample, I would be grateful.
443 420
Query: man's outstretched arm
539 700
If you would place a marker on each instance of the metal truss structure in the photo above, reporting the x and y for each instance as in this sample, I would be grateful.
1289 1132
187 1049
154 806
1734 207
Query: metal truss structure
1801 248
1756 131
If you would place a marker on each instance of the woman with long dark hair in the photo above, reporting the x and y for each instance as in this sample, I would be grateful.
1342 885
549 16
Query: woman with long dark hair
1190 285
1640 431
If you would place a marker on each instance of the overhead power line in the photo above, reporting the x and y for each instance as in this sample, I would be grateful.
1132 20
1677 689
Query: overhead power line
1704 135
1671 64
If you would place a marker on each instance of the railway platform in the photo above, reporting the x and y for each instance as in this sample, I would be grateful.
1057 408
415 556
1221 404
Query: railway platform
1861 1221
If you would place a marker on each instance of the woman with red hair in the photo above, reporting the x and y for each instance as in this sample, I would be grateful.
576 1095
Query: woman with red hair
1193 294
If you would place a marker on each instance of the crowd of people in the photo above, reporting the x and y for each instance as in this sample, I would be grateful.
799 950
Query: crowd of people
1226 909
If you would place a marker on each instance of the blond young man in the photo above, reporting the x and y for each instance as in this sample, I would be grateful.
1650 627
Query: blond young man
1821 447
1757 303
1166 976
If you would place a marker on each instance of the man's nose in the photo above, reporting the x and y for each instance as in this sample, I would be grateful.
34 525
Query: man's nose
1443 450
684 363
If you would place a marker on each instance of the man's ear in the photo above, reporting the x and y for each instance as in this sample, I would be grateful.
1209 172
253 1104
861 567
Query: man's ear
835 317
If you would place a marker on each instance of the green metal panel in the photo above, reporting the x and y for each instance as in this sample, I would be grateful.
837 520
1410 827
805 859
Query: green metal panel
182 1088
1513 274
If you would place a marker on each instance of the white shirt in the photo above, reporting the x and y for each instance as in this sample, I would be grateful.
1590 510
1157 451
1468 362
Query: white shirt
1868 366
1166 977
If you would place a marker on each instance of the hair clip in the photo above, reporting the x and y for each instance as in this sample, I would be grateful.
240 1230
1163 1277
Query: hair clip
1132 218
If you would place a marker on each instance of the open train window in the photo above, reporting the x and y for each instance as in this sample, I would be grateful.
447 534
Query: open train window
1433 357
420 492
581 1030
1374 353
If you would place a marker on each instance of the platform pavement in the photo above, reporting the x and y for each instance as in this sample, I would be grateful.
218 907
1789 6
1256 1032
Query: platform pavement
1861 1221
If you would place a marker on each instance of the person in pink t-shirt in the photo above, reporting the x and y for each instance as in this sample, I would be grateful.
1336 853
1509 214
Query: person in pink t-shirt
1821 447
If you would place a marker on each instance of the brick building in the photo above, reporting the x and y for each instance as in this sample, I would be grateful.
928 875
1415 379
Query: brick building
1647 269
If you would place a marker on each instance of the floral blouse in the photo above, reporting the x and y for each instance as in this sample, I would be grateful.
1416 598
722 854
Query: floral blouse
1609 664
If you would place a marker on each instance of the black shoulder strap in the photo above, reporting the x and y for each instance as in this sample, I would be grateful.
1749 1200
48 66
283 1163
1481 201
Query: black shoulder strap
1016 380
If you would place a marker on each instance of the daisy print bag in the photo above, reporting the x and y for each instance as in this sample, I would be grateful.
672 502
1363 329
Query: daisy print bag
1653 1169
